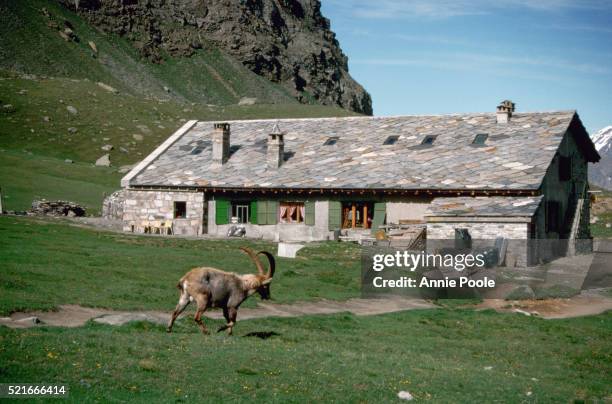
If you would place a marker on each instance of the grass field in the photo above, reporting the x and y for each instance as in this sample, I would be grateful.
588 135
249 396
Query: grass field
602 209
443 355
436 355
35 139
103 269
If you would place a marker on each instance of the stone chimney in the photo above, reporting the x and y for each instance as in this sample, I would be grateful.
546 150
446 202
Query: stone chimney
504 111
276 148
220 143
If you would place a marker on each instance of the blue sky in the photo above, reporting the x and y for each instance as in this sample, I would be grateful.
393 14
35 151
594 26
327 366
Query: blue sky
448 56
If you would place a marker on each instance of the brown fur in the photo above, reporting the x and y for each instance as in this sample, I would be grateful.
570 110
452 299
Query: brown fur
211 287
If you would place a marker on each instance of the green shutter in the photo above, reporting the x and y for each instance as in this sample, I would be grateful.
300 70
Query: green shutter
380 212
309 213
253 212
272 213
262 212
221 211
335 215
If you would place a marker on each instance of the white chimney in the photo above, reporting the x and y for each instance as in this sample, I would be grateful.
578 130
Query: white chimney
220 143
504 111
276 148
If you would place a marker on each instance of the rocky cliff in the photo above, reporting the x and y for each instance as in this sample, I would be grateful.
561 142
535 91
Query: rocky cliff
286 41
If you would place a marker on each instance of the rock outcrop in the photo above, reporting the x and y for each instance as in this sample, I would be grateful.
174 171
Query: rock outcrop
287 41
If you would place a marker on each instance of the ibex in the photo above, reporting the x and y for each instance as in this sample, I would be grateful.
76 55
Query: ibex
211 287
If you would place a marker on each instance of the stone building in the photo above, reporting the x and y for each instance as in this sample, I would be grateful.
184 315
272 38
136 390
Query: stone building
501 174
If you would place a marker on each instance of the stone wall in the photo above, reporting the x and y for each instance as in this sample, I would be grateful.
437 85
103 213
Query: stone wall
478 230
484 234
112 206
412 210
156 208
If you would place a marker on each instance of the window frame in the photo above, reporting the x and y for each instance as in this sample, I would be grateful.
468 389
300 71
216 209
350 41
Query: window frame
237 206
299 218
176 210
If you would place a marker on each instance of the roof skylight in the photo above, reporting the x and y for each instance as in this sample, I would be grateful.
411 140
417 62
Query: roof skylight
428 140
331 141
480 138
391 140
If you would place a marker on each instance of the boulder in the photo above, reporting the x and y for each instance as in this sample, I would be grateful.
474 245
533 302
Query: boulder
144 129
125 169
107 87
107 147
137 137
247 101
104 161
8 108
93 46
64 36
72 130
72 110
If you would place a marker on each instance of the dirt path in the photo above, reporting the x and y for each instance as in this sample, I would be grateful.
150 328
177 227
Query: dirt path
584 304
75 316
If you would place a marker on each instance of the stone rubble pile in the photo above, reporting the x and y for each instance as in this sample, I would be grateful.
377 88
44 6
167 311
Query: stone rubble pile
56 208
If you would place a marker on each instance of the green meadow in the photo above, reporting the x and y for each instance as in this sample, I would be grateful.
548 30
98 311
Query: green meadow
450 354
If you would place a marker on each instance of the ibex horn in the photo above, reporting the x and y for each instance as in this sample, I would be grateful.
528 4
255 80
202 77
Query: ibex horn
272 263
255 259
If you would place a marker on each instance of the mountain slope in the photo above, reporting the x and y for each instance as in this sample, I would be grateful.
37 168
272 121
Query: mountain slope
31 42
287 41
38 133
213 52
600 174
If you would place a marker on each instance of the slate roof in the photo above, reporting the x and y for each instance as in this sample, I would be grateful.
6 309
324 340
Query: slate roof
515 156
504 206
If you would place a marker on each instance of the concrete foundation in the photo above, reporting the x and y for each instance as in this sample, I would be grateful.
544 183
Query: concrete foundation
289 250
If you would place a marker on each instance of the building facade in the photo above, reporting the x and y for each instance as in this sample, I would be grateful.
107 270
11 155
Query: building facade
505 174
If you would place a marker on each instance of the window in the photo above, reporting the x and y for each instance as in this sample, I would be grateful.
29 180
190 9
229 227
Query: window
180 210
391 140
357 214
331 141
428 140
480 139
241 211
291 212
565 168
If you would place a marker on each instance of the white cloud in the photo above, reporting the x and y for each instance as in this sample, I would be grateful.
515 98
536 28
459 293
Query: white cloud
397 9
538 68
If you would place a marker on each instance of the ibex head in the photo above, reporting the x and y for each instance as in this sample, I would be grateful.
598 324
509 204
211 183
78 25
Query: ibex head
265 277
